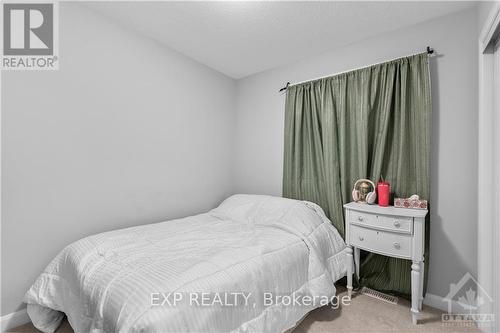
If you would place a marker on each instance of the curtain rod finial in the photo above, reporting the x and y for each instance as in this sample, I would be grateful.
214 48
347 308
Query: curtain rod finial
285 87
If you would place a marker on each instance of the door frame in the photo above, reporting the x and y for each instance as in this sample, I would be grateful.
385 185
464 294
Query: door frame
488 233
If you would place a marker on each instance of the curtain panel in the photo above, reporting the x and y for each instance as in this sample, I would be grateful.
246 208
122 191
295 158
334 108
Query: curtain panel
361 124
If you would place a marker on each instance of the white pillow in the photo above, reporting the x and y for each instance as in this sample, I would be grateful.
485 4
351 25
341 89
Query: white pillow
265 209
239 207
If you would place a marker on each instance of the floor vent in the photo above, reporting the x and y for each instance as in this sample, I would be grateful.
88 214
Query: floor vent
378 295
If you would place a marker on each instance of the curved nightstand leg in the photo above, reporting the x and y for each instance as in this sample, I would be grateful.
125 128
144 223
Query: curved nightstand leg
356 261
349 270
415 288
421 290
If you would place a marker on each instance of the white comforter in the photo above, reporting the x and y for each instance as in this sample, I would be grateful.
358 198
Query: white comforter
256 245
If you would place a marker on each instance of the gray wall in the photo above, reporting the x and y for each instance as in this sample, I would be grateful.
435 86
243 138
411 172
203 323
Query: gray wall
126 132
483 11
259 140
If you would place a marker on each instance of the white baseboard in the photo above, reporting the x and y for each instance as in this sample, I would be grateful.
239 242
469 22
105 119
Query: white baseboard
440 303
14 319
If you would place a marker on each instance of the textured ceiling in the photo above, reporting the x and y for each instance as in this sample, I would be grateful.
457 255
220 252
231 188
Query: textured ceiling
243 38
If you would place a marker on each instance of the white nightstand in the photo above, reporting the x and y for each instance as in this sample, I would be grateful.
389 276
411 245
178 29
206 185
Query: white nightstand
394 232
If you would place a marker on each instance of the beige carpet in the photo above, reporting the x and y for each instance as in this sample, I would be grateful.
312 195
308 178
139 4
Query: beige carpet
364 314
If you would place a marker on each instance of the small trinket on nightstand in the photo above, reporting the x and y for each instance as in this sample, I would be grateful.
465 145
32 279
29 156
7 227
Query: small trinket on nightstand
413 201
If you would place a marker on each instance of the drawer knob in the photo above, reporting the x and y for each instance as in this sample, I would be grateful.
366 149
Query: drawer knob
360 219
397 224
361 238
397 245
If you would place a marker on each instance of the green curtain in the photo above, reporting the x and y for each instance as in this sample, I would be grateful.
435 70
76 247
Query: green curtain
361 124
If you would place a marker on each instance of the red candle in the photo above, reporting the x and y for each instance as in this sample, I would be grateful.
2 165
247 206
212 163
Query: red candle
383 193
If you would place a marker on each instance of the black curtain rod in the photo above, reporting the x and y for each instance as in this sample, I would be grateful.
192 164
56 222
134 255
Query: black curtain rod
430 51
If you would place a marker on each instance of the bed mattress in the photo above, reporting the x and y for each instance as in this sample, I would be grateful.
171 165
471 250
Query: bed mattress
233 269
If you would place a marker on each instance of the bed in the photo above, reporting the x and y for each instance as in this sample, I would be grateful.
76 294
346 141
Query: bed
269 249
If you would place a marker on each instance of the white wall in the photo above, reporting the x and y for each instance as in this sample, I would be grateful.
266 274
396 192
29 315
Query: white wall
260 111
126 132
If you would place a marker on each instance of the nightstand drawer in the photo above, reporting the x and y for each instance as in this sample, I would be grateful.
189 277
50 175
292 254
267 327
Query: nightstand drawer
386 243
399 224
